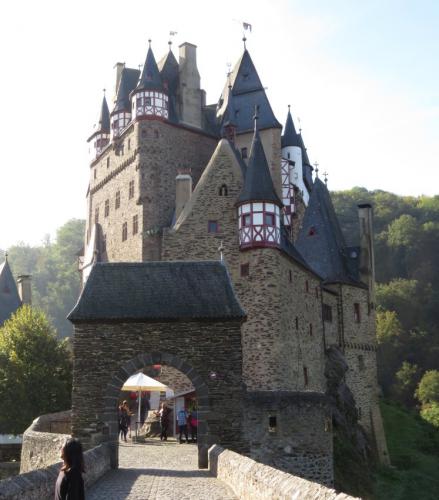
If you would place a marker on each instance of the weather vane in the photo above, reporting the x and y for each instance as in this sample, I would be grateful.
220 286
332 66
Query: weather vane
316 165
325 175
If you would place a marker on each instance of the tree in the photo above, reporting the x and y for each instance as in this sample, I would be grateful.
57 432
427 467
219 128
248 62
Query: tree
388 326
406 379
35 370
428 388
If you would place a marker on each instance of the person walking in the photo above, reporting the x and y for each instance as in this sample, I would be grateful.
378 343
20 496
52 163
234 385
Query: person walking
70 484
182 425
124 420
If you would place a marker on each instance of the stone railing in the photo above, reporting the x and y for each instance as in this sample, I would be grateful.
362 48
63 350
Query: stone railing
251 480
43 440
40 484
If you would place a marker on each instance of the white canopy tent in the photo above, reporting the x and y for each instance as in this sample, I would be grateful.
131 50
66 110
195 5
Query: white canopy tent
141 382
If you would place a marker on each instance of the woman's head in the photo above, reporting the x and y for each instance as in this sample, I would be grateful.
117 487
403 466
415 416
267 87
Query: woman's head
72 455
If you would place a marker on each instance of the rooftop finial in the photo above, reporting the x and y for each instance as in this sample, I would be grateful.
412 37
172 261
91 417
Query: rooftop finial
325 175
316 165
6 256
256 116
170 44
289 107
300 125
104 90
149 41
244 39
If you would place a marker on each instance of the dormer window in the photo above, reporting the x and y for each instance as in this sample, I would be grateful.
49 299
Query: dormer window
312 231
223 190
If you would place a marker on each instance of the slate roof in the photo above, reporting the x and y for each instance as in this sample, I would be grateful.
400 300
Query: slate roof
103 123
128 81
246 92
321 241
169 71
290 136
258 184
9 299
150 78
157 291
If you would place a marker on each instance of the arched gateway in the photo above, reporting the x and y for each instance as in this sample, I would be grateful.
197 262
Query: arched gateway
182 314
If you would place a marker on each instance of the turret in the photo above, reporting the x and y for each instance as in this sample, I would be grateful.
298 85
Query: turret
228 127
292 151
150 98
258 204
121 114
101 134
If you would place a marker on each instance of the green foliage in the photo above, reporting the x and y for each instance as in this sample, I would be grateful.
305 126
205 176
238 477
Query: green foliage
406 380
55 278
388 326
428 388
35 370
430 413
414 454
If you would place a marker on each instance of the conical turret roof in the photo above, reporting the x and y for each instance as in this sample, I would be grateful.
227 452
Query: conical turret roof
169 71
290 136
9 298
128 81
150 78
258 184
103 124
247 92
321 241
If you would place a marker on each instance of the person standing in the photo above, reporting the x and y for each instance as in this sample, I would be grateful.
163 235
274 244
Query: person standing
124 419
70 484
164 421
193 423
182 425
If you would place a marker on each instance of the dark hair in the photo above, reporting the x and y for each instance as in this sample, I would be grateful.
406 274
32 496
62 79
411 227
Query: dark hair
72 455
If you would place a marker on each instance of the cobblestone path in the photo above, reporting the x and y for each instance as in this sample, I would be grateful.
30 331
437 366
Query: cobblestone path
157 470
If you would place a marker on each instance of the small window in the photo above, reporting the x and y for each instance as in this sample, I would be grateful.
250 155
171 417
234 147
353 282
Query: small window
272 423
245 270
131 190
212 226
288 155
327 313
129 143
310 329
107 208
297 322
243 153
96 215
305 375
94 174
135 224
108 162
312 231
147 101
306 286
361 365
117 202
290 273
124 231
223 190
317 292
357 314
246 220
269 219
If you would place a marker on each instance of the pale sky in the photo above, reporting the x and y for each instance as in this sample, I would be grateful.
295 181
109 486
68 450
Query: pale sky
362 76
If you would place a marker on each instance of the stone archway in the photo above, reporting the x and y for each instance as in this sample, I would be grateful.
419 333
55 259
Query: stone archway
201 389
184 314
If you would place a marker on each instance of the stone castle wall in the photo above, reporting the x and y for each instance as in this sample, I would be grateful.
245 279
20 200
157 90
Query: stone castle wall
174 379
251 480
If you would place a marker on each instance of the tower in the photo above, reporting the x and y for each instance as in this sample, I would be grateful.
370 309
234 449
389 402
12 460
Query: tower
258 205
101 134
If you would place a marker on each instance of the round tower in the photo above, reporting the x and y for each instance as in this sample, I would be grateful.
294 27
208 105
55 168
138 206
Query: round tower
291 150
258 205
121 114
150 98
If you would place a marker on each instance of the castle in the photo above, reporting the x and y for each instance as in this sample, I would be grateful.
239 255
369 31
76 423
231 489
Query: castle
175 179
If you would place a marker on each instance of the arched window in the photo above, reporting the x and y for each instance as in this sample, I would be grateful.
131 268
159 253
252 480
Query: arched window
223 190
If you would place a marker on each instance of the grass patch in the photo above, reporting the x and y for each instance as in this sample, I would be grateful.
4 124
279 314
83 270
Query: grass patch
414 453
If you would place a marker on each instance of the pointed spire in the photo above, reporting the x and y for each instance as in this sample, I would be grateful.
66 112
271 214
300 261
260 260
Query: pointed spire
128 81
228 128
103 125
290 137
150 78
258 184
321 241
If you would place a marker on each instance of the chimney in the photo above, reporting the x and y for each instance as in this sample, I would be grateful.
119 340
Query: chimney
183 190
119 67
191 96
24 288
367 257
